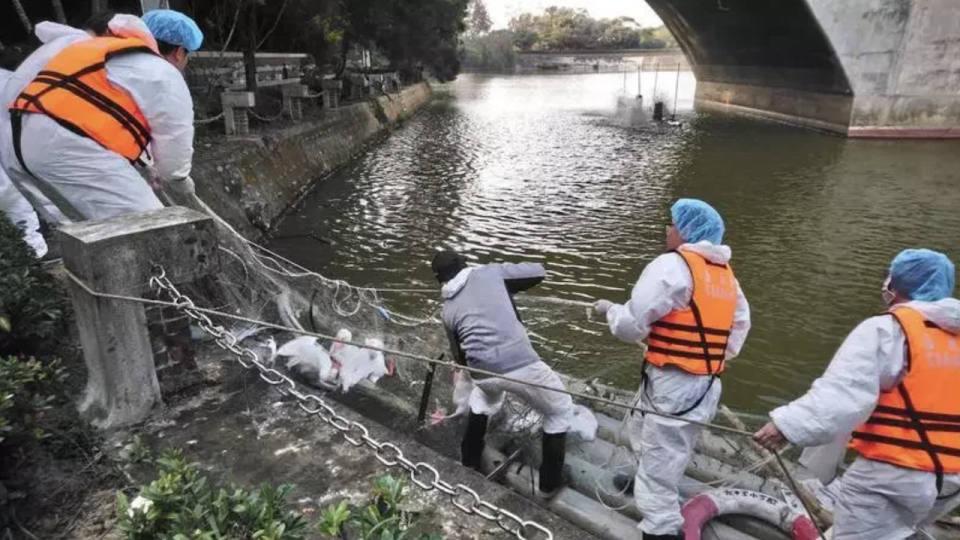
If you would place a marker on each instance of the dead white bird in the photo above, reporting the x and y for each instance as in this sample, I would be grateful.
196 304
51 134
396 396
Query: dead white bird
336 349
308 358
354 364
462 388
377 362
584 423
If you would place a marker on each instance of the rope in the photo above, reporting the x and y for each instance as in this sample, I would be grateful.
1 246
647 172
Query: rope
305 272
420 358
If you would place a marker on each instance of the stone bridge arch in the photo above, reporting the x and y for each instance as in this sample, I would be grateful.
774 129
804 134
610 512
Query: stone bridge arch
862 68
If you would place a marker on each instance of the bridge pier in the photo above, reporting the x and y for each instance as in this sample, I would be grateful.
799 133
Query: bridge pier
861 68
823 111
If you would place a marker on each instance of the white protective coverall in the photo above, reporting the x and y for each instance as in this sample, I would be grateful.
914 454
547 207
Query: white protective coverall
12 203
872 500
87 181
663 446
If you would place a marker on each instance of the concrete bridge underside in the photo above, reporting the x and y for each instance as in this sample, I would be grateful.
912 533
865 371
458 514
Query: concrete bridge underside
862 68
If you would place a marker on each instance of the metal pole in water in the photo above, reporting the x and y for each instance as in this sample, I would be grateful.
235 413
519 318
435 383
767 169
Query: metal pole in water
624 78
656 78
640 79
676 92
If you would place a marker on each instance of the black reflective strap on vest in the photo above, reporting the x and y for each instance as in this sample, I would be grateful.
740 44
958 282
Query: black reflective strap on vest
98 100
16 128
917 425
72 83
893 422
689 328
684 342
923 415
705 356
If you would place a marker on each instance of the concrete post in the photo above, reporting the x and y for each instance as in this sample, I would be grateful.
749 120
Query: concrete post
293 96
235 107
117 256
331 94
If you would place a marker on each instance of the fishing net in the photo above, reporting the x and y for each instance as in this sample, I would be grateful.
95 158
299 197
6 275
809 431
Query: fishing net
279 300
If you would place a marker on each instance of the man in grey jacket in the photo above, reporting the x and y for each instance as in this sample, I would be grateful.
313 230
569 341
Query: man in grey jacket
486 332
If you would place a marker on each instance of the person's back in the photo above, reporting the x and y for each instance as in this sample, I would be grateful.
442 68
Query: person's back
486 333
892 388
479 310
83 157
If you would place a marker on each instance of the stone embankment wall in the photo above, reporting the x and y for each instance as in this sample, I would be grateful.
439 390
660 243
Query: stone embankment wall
251 182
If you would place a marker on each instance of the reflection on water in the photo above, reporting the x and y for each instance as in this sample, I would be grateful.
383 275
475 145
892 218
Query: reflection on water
541 168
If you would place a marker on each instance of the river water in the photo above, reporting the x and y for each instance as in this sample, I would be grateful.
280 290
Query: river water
542 168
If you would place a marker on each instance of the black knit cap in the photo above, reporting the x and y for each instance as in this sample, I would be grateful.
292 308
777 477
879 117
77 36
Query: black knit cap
447 264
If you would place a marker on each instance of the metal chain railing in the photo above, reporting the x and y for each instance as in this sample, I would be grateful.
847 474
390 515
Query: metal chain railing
422 474
203 121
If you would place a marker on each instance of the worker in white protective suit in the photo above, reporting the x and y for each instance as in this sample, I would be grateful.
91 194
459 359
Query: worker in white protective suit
893 390
14 205
486 332
55 37
689 310
100 108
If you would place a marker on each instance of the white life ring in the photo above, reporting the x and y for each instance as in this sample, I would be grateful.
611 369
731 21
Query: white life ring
706 506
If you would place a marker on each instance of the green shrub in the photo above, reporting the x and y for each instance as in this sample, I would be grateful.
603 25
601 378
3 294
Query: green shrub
28 389
382 519
183 505
32 307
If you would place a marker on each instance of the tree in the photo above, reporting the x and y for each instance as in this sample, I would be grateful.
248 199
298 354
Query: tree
58 11
98 6
24 20
559 28
410 33
480 22
491 51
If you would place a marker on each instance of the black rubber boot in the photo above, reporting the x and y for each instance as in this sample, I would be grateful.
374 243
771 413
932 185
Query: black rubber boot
471 449
551 470
623 483
678 536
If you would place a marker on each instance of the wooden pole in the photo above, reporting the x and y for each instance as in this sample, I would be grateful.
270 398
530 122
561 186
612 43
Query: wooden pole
821 514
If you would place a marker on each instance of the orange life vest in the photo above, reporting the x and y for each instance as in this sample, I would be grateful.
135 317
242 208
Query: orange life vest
74 91
694 339
917 424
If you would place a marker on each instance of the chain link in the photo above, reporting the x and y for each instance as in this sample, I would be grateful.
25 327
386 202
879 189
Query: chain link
422 474
204 121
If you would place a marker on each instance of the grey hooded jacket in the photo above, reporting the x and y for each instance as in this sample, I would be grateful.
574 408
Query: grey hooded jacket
481 320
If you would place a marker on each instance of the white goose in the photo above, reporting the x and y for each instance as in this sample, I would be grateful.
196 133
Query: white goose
308 358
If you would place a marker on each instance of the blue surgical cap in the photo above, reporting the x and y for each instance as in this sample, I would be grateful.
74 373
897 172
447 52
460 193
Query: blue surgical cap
174 28
696 221
922 274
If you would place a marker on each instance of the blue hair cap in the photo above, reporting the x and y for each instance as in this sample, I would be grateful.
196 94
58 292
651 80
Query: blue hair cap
697 221
174 28
923 274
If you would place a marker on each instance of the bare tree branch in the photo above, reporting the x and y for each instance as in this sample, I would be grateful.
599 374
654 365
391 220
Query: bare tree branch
18 7
275 24
58 11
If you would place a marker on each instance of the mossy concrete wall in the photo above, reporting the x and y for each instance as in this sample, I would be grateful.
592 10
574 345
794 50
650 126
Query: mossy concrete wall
250 182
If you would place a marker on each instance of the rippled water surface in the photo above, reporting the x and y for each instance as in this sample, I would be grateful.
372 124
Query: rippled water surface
541 168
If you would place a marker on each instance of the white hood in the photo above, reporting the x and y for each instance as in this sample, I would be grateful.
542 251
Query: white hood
716 254
452 287
943 313
48 31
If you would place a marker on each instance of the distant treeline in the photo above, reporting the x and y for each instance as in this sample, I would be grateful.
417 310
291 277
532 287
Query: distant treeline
555 30
402 34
